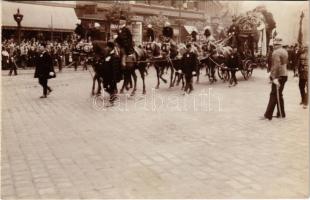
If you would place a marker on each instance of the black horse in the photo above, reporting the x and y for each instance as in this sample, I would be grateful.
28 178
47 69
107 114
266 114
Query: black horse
163 58
136 61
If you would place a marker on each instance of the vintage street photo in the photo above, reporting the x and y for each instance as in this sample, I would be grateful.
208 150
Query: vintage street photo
154 99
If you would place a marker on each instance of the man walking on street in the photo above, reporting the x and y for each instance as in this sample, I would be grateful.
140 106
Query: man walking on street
44 69
189 61
279 77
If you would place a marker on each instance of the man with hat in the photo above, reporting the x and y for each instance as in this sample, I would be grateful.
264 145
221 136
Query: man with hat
278 74
124 40
189 61
303 75
44 69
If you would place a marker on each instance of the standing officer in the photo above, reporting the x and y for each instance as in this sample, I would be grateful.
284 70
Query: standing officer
44 69
303 76
279 77
189 61
124 41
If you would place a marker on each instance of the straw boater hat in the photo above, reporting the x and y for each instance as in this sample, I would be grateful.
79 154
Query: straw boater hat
149 25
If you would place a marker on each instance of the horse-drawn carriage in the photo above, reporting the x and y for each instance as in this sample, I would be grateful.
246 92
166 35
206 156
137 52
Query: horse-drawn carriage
250 37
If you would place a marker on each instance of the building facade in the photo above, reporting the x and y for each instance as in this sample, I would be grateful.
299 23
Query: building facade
184 16
50 20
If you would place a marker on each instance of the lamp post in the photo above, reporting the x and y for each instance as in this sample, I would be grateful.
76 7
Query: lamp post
18 18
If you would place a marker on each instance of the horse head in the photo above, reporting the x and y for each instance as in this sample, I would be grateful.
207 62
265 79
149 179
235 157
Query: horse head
152 49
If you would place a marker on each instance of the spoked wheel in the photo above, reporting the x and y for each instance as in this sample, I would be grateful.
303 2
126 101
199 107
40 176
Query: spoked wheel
223 73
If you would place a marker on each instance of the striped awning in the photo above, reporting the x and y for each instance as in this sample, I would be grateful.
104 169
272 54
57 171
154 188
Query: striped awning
39 16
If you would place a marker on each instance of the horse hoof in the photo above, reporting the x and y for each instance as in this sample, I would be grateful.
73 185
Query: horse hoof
157 87
144 92
121 92
132 94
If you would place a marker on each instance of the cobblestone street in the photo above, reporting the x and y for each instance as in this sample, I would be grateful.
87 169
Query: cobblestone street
66 146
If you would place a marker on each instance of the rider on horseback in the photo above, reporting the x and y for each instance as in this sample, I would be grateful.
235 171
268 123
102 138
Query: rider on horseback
209 42
168 39
124 41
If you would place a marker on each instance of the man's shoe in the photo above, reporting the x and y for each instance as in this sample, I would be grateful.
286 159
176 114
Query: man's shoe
44 96
305 106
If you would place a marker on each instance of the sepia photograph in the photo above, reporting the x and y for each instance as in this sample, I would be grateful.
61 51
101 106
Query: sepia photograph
154 99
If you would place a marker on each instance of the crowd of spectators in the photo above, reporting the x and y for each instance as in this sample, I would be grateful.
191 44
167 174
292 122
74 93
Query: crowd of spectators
23 55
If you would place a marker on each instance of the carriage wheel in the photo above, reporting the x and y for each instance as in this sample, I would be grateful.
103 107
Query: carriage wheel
220 71
226 75
223 73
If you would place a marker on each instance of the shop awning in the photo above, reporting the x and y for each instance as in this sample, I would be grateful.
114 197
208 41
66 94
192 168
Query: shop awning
39 16
190 29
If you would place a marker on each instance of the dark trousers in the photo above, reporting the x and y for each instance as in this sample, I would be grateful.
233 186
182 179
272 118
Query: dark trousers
276 98
233 76
43 83
188 82
303 86
13 68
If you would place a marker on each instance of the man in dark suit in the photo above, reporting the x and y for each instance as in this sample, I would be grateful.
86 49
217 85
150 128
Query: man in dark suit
44 69
189 62
111 71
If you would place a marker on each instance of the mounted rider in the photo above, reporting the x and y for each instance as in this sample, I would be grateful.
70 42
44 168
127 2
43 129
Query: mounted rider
125 42
209 42
169 43
233 31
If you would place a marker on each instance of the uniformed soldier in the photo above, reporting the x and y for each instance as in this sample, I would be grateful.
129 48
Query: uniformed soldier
209 39
194 36
189 63
150 34
168 38
124 41
167 32
278 74
303 76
